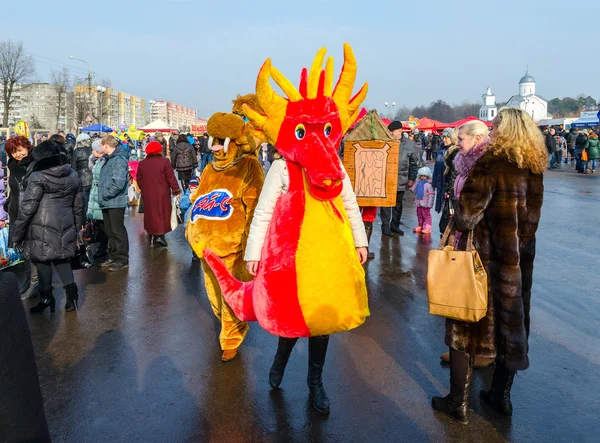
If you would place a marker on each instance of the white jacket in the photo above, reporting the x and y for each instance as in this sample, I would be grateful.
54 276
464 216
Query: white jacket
277 183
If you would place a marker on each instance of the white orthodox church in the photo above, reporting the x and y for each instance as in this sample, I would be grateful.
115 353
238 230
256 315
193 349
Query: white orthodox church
527 100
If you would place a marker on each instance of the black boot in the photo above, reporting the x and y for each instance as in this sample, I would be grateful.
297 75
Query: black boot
161 241
456 404
72 297
317 349
284 349
499 396
46 299
369 231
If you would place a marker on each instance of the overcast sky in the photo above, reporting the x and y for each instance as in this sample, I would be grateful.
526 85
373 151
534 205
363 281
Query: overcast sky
409 52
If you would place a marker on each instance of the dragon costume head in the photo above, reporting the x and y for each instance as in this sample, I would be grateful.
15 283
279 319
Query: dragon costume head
308 125
229 138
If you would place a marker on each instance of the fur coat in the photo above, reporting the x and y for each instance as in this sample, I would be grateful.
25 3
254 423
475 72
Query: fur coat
501 203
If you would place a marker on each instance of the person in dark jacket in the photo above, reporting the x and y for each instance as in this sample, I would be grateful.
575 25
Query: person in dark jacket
49 219
159 137
70 143
20 163
80 162
22 416
112 197
501 202
551 149
580 143
443 165
571 137
157 181
205 152
408 166
183 160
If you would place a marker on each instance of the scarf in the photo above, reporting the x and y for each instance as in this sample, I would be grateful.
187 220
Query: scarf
464 162
420 191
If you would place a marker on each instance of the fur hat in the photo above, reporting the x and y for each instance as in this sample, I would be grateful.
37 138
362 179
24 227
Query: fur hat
447 132
46 149
81 137
154 148
396 124
424 171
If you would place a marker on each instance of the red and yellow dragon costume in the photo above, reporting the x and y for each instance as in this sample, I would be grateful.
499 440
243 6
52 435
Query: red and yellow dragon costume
310 281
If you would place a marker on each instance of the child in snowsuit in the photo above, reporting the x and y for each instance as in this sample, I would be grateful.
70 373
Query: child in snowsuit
186 204
424 197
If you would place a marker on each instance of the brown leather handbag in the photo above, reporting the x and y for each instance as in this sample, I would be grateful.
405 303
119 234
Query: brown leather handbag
457 285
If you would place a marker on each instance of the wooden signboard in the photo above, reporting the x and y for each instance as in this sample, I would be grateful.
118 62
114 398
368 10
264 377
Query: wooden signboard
373 170
371 156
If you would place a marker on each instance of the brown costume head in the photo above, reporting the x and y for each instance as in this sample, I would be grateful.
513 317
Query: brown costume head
228 139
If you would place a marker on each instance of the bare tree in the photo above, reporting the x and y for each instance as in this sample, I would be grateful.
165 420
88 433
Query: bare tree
15 67
62 79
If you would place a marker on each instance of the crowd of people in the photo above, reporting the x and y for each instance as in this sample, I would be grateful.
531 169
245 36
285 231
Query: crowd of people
486 182
580 147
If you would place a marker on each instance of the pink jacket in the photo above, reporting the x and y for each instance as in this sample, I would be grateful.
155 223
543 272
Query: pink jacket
428 196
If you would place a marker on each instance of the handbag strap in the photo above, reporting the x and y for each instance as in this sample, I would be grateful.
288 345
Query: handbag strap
470 241
449 235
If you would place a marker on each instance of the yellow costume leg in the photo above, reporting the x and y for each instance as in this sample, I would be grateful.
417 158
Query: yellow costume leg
233 330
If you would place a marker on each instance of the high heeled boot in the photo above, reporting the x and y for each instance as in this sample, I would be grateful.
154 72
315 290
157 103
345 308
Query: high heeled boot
456 404
317 350
498 397
284 349
72 298
46 299
369 231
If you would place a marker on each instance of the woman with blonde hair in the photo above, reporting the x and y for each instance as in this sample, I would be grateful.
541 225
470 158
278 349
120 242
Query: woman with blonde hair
501 203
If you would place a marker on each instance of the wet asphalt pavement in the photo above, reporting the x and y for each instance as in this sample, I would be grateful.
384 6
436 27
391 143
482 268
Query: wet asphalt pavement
140 361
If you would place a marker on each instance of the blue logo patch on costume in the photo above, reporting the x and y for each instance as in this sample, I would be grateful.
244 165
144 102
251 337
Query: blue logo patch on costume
216 205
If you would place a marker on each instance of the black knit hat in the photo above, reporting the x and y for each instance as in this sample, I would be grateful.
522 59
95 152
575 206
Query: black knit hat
49 148
395 125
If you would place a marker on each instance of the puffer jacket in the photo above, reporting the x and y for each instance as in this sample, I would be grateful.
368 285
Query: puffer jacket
408 164
183 157
79 162
593 147
51 212
114 180
94 211
17 183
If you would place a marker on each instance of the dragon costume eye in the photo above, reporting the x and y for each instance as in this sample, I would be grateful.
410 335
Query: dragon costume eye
327 129
300 131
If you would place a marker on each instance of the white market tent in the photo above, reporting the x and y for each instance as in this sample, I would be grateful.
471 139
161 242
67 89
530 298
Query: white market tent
158 126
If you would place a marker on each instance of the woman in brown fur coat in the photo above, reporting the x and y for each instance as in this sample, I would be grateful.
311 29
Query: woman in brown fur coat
501 202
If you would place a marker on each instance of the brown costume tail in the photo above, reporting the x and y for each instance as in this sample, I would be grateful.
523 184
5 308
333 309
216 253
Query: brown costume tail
237 294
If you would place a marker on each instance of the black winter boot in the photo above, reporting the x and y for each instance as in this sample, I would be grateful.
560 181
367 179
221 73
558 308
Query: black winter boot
161 241
499 396
284 349
456 404
72 297
369 231
317 349
46 299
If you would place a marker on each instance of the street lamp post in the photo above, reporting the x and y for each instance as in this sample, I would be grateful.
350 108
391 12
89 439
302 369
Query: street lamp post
89 81
101 90
390 109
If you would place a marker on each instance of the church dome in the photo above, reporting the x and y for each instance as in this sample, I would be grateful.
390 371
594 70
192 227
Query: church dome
527 79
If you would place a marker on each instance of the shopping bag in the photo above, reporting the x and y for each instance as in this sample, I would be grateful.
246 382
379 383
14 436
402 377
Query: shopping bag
175 212
584 155
457 285
8 256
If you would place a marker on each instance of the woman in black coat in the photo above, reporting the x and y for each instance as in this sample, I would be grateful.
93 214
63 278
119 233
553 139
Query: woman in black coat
50 216
20 163
184 160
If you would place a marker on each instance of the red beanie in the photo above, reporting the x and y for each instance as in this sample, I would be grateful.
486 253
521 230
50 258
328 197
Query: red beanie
154 148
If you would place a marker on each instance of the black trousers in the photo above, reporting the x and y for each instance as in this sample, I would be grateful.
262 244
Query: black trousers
101 237
63 267
118 240
393 215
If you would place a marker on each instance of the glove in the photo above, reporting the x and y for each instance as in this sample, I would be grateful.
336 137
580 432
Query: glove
19 247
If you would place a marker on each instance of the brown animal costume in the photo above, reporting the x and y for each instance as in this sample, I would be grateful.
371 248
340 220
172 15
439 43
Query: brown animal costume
221 213
504 234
